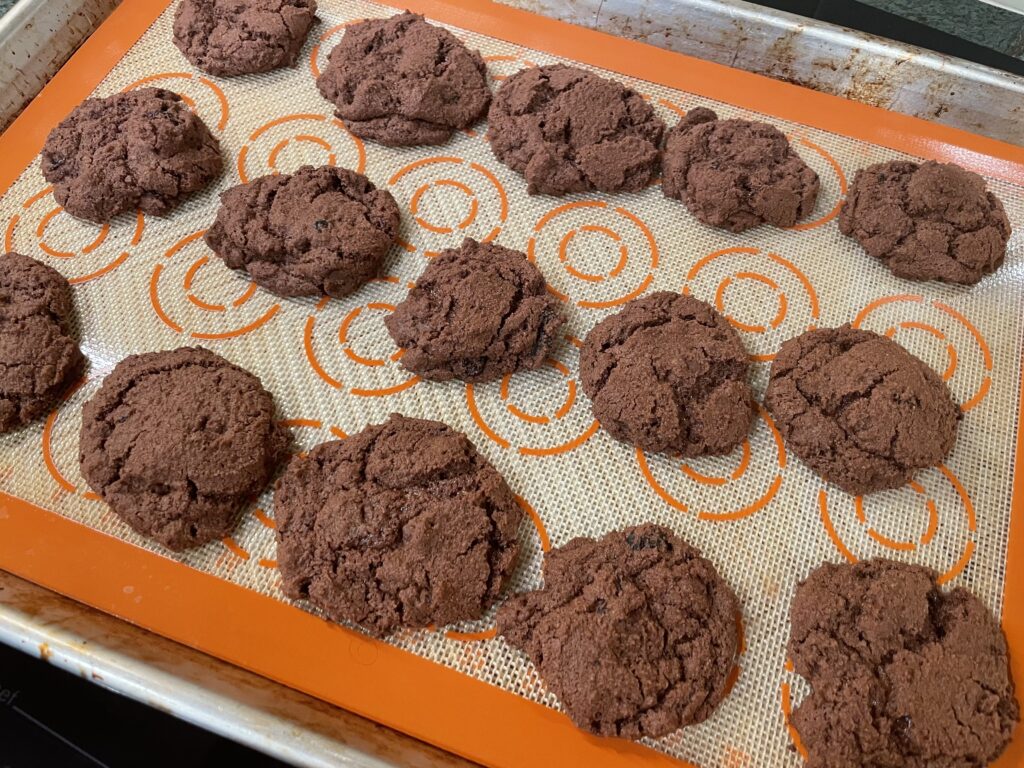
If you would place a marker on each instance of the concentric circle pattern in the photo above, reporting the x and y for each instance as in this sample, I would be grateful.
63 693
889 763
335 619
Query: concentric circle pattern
194 294
931 520
284 144
733 487
448 199
348 347
941 335
81 251
763 295
595 254
543 414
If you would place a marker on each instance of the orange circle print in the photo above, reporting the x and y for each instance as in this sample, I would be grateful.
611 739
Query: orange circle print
449 198
202 95
697 485
348 346
670 111
936 523
536 415
595 254
786 698
79 250
193 293
783 299
939 334
501 67
833 182
59 444
286 143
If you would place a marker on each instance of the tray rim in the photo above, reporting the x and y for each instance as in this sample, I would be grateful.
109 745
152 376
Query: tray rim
369 677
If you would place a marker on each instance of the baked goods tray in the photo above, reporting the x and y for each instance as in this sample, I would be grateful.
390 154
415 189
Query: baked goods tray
146 283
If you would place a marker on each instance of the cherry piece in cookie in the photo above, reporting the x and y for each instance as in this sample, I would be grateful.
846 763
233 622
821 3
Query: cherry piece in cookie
316 231
636 633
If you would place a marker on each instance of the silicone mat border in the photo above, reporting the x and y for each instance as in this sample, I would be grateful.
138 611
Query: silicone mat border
346 668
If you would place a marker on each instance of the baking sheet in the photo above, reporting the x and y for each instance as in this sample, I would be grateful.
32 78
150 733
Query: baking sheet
145 283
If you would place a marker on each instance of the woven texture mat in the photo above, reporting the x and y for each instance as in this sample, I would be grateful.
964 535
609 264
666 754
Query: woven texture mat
146 284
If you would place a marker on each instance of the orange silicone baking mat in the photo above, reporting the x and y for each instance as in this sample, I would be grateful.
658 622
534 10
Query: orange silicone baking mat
143 283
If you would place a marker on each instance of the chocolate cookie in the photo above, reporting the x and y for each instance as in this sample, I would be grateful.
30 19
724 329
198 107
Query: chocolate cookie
636 633
933 221
736 174
568 130
401 525
242 37
402 81
318 230
903 674
477 312
38 357
668 373
859 409
176 442
142 149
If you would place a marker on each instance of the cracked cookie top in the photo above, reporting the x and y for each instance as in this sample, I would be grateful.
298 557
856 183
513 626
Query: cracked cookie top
38 356
176 442
636 633
902 673
568 130
859 409
477 313
737 174
403 81
934 221
239 37
142 149
401 525
668 373
317 231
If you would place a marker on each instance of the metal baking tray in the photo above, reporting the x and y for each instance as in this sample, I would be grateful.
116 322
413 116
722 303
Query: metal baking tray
38 36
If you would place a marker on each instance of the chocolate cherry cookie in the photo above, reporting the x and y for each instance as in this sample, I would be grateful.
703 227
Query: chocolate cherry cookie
401 525
477 312
176 443
667 373
403 81
636 632
242 36
142 149
933 221
568 130
317 231
38 356
859 409
902 673
737 174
